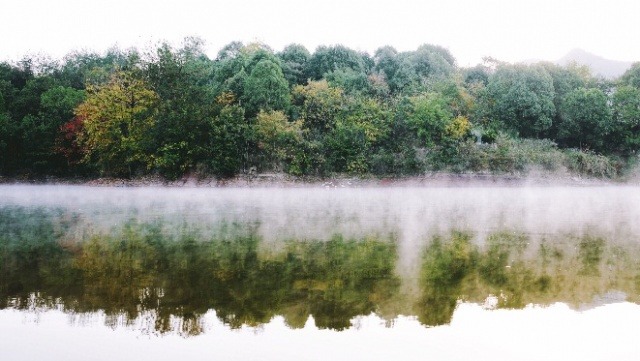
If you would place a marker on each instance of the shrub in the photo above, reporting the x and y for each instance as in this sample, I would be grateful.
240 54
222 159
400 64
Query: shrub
583 162
517 156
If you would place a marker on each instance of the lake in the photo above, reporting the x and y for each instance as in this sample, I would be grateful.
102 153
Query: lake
449 273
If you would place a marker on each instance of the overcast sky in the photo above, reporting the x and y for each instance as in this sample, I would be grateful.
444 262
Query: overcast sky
470 29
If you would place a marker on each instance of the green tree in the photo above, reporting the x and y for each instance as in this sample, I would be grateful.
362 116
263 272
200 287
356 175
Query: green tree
39 131
585 119
478 74
278 139
360 128
228 146
318 105
294 58
266 88
229 72
23 127
235 63
118 118
57 106
8 126
429 118
59 102
414 71
432 62
386 61
353 82
7 134
182 128
326 59
81 68
521 97
632 76
565 80
626 118
346 148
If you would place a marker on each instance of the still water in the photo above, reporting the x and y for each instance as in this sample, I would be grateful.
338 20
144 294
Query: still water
527 273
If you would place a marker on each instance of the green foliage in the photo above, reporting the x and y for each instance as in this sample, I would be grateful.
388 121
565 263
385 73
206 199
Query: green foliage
521 97
430 118
118 118
266 88
186 101
521 156
396 113
568 78
326 59
41 131
294 59
386 62
318 105
82 68
433 61
591 164
229 139
626 106
585 119
6 134
347 146
632 76
361 125
352 81
59 102
416 71
626 119
478 74
403 161
235 63
278 139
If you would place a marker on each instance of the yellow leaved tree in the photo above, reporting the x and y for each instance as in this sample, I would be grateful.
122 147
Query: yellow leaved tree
118 118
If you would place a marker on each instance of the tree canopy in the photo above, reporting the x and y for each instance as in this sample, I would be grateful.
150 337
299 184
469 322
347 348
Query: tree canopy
176 111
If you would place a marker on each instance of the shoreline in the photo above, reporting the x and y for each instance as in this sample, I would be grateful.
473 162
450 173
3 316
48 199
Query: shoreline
281 180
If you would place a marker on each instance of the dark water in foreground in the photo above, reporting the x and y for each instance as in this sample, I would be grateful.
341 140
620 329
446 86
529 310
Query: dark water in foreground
407 273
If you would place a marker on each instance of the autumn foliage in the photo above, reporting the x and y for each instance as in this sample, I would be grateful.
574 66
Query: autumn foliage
176 112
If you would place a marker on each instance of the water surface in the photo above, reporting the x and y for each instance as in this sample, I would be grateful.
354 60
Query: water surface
317 273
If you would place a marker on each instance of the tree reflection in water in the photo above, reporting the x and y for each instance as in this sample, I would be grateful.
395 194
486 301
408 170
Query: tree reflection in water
141 271
171 276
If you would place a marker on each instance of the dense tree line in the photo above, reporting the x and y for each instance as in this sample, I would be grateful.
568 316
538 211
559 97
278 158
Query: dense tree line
174 111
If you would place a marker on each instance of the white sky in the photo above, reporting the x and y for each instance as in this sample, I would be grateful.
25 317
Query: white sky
470 29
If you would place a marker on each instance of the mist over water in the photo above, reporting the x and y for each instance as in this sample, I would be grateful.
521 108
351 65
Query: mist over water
412 216
319 213
169 258
409 215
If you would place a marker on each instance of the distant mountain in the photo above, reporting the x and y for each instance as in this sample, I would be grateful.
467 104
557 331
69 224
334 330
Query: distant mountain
600 66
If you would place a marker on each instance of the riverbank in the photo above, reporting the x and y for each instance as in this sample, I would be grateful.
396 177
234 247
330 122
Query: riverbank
268 180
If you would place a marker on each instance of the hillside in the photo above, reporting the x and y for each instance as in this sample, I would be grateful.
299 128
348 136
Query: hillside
599 66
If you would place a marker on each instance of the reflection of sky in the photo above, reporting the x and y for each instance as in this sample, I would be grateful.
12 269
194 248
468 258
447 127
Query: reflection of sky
534 333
